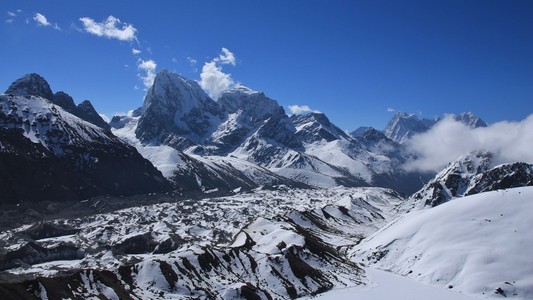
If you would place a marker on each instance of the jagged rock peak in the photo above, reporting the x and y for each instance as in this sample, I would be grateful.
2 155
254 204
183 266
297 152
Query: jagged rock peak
317 117
470 120
402 126
86 111
31 84
453 181
176 111
256 104
171 89
314 127
361 131
64 100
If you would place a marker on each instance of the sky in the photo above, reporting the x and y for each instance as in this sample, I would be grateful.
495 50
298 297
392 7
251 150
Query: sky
356 61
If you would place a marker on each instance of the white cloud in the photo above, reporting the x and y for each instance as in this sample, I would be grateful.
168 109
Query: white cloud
148 66
301 109
449 139
174 60
226 57
390 109
9 21
212 79
11 14
111 28
135 51
192 61
42 21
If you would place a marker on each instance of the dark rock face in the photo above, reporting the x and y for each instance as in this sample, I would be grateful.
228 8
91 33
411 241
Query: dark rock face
454 180
65 101
86 111
320 128
32 253
67 158
31 84
502 177
47 230
176 111
472 174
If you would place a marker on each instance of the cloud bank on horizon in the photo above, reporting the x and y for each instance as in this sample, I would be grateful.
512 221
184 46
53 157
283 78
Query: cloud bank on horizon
449 139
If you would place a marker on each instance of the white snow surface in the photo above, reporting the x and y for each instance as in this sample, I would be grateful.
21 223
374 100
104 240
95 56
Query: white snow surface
386 285
165 158
476 244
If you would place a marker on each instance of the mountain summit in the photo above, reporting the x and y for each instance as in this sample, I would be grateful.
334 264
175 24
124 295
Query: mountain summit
176 111
402 126
35 85
31 84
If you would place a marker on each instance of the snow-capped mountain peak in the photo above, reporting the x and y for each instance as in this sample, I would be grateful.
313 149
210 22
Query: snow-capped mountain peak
402 126
470 120
176 110
31 84
314 127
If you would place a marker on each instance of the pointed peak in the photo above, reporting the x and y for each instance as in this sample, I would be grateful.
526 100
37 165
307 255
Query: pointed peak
31 84
470 119
166 78
64 100
86 103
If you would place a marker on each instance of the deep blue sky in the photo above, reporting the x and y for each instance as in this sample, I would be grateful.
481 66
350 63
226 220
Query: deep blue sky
353 60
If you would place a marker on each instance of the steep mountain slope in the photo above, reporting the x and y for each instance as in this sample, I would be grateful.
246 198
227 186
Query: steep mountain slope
402 126
247 125
177 112
191 172
34 84
47 153
475 245
468 175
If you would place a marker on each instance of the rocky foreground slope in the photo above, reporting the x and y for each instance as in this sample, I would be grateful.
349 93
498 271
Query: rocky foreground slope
215 248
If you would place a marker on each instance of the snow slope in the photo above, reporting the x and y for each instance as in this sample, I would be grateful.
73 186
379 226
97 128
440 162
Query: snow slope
387 285
479 245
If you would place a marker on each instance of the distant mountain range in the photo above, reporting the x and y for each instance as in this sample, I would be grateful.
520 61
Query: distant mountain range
242 141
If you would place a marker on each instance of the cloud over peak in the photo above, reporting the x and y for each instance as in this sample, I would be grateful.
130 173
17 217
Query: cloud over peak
301 109
111 28
212 79
226 58
449 139
148 66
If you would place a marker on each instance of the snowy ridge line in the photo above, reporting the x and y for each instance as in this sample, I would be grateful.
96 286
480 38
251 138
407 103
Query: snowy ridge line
46 123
